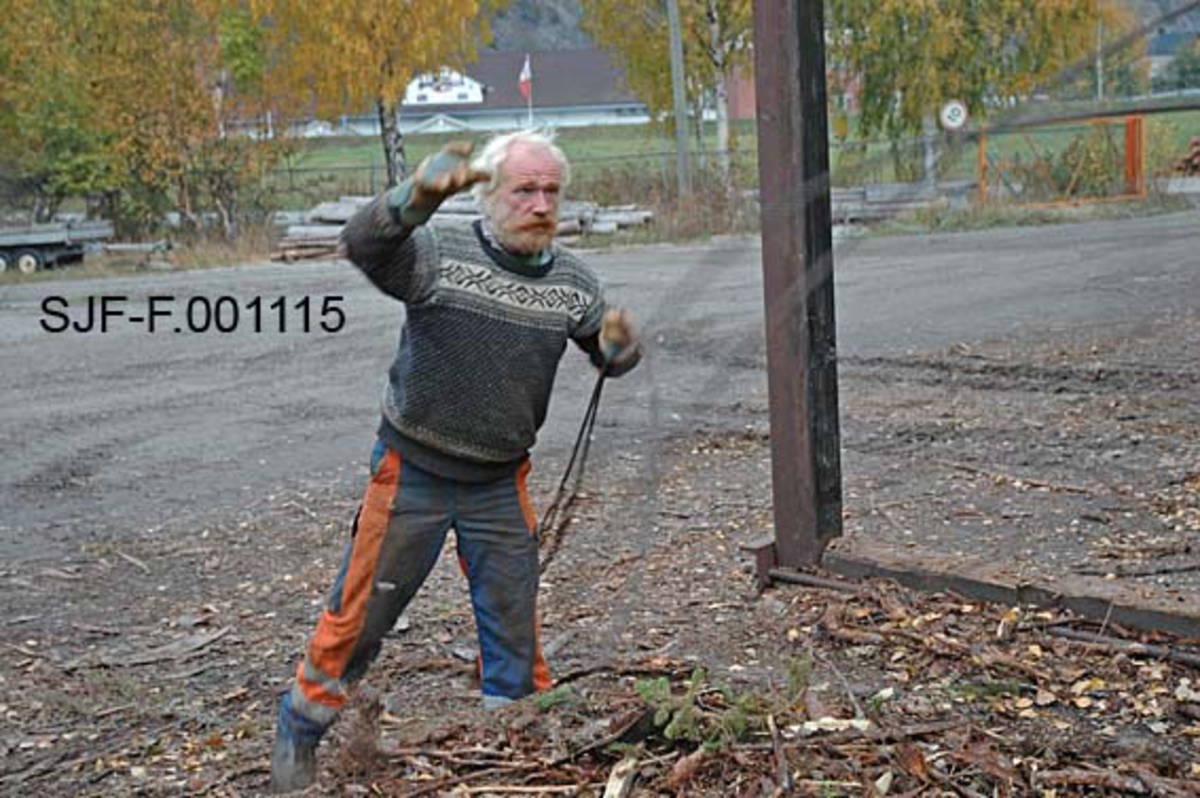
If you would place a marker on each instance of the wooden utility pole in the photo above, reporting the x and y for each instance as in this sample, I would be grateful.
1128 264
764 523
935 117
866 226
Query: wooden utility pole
797 234
682 169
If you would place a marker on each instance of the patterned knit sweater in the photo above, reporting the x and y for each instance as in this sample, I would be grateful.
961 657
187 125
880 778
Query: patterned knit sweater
481 342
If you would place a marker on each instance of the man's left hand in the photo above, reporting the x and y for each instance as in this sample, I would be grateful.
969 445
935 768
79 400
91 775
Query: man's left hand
618 338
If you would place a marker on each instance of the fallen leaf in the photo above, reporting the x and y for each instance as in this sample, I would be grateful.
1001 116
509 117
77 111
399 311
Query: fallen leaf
1184 692
686 769
1008 624
1045 698
814 707
913 761
834 725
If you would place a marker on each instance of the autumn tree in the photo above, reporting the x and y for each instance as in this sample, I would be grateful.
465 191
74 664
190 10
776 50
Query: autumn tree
329 57
1122 71
113 101
908 57
50 144
716 40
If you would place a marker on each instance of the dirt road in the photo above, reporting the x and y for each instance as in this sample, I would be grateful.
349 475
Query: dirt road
131 430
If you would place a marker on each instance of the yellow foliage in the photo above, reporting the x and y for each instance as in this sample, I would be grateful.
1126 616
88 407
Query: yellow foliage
339 56
118 101
328 57
716 39
911 56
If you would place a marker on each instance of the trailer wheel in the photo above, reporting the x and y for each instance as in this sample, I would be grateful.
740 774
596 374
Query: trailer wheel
29 261
4 259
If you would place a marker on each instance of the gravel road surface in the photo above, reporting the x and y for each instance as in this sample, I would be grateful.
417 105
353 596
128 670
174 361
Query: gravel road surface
103 433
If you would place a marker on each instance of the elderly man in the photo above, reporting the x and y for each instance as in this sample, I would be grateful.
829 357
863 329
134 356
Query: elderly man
490 309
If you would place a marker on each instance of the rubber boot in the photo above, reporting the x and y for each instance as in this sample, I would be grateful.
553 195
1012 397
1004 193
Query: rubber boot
293 764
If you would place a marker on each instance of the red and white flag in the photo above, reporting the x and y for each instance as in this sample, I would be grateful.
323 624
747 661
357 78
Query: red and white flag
525 81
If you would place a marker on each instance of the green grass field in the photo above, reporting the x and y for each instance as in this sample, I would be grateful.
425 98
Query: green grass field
642 157
582 145
354 165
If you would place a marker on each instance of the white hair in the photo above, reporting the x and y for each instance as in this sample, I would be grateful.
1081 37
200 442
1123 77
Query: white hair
498 148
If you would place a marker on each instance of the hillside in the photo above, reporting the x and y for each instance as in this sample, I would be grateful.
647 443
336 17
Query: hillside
1150 10
555 24
539 25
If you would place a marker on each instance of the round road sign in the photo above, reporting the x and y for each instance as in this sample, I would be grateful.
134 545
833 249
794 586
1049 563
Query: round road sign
954 115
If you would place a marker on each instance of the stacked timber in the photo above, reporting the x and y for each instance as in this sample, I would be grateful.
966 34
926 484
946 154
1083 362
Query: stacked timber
611 218
306 241
880 201
318 236
1189 164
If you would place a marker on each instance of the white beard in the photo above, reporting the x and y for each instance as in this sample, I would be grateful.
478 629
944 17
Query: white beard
518 242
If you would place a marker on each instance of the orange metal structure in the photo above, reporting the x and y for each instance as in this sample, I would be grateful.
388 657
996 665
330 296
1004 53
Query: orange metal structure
1135 163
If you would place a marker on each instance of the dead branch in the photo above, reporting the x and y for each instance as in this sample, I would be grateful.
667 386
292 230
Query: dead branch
134 561
1036 483
620 780
1106 779
1104 643
858 710
510 789
660 667
175 650
887 736
1171 788
784 773
625 728
453 781
1133 572
811 580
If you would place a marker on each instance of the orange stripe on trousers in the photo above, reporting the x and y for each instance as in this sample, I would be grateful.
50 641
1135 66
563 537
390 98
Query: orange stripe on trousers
541 671
337 633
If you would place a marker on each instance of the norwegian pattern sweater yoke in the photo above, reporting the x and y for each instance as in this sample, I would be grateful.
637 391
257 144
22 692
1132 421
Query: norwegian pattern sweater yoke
480 346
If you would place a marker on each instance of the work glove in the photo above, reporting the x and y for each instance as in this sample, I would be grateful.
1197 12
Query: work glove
439 176
619 342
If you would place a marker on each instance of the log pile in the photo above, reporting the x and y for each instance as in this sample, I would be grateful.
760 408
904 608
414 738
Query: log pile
1189 164
318 236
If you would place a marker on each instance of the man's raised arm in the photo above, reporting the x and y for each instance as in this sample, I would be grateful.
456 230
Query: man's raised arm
380 239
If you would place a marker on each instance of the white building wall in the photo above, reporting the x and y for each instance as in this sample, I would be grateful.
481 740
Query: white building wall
445 88
415 122
486 121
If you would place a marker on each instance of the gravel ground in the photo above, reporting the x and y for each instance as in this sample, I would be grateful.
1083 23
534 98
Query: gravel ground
175 510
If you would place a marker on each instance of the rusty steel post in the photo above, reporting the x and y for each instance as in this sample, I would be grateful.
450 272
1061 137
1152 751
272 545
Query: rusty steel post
983 169
1135 179
797 234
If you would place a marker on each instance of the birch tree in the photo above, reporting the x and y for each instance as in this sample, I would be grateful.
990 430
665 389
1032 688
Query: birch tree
716 40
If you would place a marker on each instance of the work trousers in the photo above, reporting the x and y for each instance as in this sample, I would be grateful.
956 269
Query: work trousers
398 534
